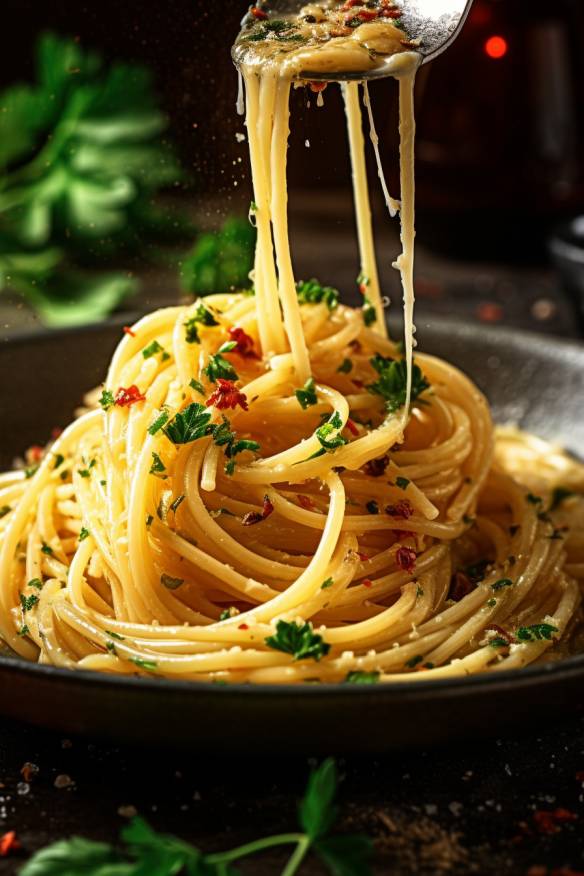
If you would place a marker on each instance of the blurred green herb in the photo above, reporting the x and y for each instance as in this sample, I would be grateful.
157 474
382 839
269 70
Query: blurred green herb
156 854
220 261
81 157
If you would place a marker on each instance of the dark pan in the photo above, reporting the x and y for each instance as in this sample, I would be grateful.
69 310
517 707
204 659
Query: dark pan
534 381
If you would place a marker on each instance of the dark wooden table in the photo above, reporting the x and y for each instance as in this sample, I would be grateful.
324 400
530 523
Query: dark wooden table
470 808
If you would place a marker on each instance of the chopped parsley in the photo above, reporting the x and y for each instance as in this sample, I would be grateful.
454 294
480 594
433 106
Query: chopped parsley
4 510
218 366
413 661
201 316
535 632
372 507
158 423
23 631
28 602
171 583
149 520
357 677
197 386
153 349
115 635
533 500
558 496
298 640
177 503
491 602
329 441
327 583
59 460
188 425
313 292
36 583
392 382
502 582
499 642
150 665
84 533
107 399
46 549
402 483
278 29
157 467
369 313
307 395
345 367
31 470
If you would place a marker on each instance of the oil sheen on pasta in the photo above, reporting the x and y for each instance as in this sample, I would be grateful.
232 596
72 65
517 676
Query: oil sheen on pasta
266 489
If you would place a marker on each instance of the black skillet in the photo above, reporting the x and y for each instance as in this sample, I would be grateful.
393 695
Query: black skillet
537 382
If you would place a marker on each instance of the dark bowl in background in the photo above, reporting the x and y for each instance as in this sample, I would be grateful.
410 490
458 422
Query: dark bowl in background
534 381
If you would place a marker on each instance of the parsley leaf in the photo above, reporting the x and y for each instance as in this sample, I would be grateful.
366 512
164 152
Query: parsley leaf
74 857
157 466
312 292
197 386
28 602
345 367
368 310
402 483
392 382
201 316
298 640
84 533
219 367
503 582
345 855
328 582
153 349
324 433
307 395
558 496
107 399
317 812
4 510
158 423
171 583
188 425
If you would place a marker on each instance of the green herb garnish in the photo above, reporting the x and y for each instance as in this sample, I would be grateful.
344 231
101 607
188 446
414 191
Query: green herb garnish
402 483
150 665
392 382
188 425
171 583
357 677
307 395
345 367
298 640
558 496
218 366
107 399
158 423
197 386
4 510
84 533
535 632
502 582
28 602
413 661
328 582
157 467
369 312
313 292
201 316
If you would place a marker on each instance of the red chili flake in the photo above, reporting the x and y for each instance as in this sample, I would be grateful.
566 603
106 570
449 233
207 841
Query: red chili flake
129 331
8 843
28 771
358 383
126 397
227 396
352 427
35 453
253 517
405 558
495 628
305 502
318 86
349 4
548 822
367 582
258 13
363 288
362 557
362 15
56 432
375 468
390 13
489 311
243 627
244 343
401 509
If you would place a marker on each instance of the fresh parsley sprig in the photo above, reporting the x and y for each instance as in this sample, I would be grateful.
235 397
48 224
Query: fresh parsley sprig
218 366
157 854
313 292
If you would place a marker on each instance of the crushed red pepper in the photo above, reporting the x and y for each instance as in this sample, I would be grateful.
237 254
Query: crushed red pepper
375 468
460 586
253 517
126 397
243 627
495 628
244 343
8 843
227 396
405 558
318 86
352 427
129 331
367 582
305 502
401 509
548 821
259 13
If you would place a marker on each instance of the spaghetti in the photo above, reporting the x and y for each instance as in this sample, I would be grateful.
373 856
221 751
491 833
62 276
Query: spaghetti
267 490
